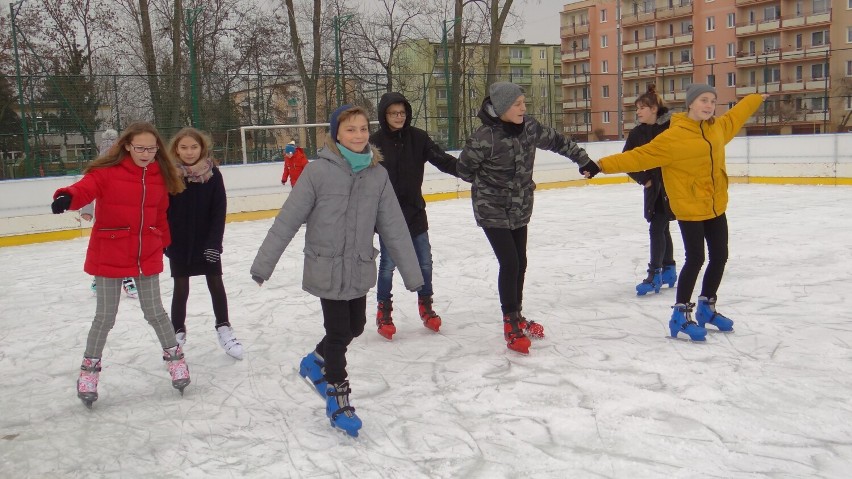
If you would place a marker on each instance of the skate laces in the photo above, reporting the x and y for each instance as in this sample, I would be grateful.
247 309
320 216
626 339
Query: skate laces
340 393
385 318
89 374
686 309
176 363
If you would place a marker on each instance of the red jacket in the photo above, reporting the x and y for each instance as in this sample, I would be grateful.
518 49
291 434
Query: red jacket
131 228
293 166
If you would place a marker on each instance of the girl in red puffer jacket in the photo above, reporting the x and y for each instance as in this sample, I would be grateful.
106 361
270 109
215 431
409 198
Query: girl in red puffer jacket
131 183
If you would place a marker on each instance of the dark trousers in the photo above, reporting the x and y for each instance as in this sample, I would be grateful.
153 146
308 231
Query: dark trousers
217 295
662 253
510 247
344 321
695 233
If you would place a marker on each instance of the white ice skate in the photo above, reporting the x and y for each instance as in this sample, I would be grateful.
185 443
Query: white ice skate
229 342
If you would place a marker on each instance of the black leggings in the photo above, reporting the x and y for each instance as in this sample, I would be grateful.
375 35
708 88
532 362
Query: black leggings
344 321
181 295
694 233
510 247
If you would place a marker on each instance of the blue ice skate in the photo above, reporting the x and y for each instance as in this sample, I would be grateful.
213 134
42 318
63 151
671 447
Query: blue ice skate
706 313
312 368
339 411
653 282
670 275
682 322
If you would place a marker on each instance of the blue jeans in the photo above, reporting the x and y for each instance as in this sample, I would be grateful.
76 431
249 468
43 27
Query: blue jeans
386 266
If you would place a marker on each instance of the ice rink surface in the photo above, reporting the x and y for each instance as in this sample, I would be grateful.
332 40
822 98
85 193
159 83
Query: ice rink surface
605 395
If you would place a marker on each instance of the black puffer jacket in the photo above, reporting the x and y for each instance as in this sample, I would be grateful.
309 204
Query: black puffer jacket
197 221
639 136
406 152
498 161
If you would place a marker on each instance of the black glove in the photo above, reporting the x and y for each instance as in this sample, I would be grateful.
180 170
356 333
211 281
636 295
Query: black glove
61 204
257 279
211 255
591 168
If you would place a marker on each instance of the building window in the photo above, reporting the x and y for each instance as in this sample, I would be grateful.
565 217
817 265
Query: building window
605 117
820 38
711 24
771 44
516 53
604 41
605 91
649 33
772 75
819 71
849 65
732 79
848 34
686 27
772 12
798 73
685 56
817 103
605 66
711 52
603 15
441 94
732 20
542 54
732 50
821 6
544 92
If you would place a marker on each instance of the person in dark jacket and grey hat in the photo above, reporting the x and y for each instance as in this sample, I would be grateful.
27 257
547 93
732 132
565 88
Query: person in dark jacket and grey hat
498 161
406 149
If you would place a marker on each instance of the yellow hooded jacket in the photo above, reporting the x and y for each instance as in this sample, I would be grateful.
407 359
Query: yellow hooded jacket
692 157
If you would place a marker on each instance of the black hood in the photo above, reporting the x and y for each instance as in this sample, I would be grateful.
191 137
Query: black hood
386 101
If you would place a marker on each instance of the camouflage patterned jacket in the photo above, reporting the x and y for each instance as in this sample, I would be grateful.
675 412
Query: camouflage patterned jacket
498 161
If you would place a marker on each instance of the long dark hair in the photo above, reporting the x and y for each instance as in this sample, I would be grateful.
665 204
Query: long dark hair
651 99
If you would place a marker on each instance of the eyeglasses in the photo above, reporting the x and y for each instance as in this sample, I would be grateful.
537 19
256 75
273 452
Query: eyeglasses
398 114
142 149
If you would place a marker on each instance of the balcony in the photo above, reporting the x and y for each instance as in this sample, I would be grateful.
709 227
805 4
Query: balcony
637 18
575 55
571 30
752 2
516 61
781 54
632 45
575 104
683 38
805 19
575 79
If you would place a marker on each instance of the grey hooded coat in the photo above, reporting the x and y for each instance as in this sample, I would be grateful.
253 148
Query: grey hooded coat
343 210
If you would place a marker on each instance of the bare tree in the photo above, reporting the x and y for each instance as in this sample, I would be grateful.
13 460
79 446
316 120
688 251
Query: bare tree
309 78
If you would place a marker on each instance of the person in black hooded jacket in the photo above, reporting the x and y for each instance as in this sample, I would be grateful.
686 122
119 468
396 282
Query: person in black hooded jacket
652 118
406 149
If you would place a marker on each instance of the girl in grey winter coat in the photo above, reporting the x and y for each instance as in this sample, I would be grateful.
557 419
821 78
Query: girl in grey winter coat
344 197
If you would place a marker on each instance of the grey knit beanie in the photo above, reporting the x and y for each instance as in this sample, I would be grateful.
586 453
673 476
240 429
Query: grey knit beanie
695 90
503 94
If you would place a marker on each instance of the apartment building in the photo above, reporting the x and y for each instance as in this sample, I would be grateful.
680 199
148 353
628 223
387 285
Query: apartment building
423 76
799 51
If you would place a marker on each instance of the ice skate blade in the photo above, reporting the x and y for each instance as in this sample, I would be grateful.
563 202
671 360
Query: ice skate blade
87 403
432 325
719 331
688 340
312 385
350 433
387 335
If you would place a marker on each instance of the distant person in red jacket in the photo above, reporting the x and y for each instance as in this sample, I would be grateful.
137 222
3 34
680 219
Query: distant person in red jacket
130 185
294 162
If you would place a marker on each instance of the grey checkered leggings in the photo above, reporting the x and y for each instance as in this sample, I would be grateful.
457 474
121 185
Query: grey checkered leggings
108 293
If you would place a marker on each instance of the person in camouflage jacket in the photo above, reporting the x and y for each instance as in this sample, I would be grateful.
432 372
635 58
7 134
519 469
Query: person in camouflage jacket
498 161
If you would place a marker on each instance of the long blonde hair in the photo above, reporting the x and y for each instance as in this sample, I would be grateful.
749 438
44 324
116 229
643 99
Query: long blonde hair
203 140
117 153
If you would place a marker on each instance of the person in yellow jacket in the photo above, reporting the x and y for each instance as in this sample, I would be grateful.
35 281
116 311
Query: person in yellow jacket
691 154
